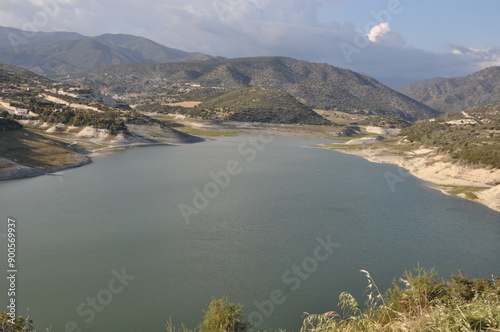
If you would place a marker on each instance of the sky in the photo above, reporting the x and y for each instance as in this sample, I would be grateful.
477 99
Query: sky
410 39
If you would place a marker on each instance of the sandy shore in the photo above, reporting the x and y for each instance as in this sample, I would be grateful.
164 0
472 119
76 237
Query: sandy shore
479 184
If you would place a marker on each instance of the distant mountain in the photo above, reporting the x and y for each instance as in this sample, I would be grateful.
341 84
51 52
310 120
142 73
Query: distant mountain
450 95
55 54
316 85
262 105
12 37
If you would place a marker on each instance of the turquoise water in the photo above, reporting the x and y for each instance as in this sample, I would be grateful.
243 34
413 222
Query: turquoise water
113 231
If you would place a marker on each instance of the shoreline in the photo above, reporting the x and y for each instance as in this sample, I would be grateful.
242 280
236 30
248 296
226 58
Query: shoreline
478 184
470 182
83 145
17 171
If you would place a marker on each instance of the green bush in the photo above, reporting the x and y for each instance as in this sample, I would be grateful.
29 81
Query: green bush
223 316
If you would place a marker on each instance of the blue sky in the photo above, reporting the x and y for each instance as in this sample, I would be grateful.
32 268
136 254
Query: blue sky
429 24
410 39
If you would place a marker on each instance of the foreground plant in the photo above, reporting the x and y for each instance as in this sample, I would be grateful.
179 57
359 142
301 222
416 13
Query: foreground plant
222 316
18 324
417 302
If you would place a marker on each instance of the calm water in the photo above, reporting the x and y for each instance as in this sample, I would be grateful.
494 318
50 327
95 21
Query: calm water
122 214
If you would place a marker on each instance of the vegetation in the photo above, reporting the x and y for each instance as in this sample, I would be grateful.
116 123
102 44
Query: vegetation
16 76
19 324
261 105
386 121
221 316
107 118
473 137
246 105
419 301
467 191
33 150
200 94
201 132
341 146
163 109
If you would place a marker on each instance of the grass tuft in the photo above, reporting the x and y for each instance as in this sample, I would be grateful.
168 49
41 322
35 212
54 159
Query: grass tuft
419 301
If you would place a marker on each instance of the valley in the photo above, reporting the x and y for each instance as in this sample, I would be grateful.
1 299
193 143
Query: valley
86 120
259 158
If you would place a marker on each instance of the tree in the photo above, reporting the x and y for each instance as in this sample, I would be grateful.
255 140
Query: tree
223 316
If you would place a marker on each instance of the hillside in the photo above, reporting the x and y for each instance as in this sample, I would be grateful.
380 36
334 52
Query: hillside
472 136
458 94
46 127
262 105
55 54
16 75
316 85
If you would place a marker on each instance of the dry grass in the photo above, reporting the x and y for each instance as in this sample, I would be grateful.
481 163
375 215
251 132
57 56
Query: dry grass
424 303
33 150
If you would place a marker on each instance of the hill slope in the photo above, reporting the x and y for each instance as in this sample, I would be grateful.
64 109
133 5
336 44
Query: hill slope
458 94
56 54
316 85
472 136
263 105
15 75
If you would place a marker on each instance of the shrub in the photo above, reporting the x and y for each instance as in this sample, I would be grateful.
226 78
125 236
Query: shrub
223 316
19 324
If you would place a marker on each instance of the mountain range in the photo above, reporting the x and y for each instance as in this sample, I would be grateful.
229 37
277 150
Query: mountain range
56 54
449 95
317 85
121 64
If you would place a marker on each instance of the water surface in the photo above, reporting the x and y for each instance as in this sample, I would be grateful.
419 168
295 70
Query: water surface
121 214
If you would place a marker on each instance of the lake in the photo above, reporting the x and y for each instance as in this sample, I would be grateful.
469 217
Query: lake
151 233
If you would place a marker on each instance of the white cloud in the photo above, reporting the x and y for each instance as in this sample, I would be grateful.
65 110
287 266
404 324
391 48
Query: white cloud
382 34
378 31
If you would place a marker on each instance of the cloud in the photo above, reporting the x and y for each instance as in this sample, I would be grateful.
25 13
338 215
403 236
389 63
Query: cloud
382 34
481 57
235 28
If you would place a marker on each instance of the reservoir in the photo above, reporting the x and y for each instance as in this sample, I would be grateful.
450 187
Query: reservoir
270 222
